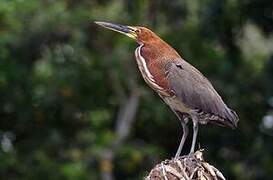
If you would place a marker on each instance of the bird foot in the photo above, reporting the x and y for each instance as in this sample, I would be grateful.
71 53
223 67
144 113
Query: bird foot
196 154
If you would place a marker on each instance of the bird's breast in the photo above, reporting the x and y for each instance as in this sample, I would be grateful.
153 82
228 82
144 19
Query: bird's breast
152 73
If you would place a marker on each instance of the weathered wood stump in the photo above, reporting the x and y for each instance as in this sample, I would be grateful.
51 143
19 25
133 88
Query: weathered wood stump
187 167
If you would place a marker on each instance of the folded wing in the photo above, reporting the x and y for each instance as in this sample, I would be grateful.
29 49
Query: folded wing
194 90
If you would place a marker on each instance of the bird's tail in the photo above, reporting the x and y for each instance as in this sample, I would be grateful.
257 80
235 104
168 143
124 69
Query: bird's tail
233 118
229 119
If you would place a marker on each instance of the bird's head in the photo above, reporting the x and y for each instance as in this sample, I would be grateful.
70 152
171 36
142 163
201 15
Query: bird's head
141 34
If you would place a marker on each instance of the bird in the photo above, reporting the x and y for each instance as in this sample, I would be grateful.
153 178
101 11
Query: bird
188 93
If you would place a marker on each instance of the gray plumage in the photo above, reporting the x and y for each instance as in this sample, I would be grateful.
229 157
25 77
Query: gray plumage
197 93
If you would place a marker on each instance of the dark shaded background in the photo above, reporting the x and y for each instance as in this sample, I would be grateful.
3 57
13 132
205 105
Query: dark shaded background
67 86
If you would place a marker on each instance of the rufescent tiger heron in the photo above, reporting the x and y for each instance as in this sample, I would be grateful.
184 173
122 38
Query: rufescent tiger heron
181 86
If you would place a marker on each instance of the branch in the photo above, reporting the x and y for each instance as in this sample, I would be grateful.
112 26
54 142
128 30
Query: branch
124 123
125 118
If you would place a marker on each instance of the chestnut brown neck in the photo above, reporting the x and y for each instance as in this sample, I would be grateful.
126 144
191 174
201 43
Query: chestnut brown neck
158 50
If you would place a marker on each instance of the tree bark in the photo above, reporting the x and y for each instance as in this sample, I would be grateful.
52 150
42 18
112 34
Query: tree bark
187 167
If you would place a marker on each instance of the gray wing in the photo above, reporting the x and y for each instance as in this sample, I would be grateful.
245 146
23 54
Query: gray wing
194 90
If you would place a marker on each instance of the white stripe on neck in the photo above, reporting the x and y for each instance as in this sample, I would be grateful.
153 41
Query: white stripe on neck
148 77
142 63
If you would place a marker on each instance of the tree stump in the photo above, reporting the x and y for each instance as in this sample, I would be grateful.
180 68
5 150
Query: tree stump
187 167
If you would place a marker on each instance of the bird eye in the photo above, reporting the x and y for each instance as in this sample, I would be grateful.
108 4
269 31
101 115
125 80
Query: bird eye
137 31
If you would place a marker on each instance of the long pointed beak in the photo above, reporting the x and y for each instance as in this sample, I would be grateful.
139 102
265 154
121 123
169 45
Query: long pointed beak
127 30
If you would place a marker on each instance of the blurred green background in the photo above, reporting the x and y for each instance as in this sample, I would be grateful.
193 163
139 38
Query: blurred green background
70 89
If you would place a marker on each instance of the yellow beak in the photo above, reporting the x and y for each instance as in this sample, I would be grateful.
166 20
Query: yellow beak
129 31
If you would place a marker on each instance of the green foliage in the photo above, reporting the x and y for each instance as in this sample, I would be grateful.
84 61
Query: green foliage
60 77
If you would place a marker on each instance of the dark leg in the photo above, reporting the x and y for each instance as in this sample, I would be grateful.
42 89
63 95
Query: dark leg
183 139
195 132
